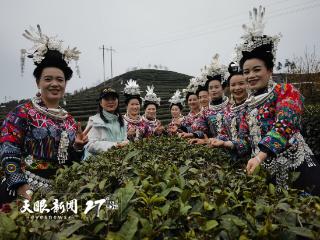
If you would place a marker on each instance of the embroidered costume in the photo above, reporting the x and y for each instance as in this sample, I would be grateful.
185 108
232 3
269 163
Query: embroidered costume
234 132
191 117
210 120
141 128
32 145
176 100
35 140
273 118
153 124
151 98
274 123
187 122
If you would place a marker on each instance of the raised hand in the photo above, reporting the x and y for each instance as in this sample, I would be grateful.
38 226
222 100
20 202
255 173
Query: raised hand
159 129
172 129
81 137
131 132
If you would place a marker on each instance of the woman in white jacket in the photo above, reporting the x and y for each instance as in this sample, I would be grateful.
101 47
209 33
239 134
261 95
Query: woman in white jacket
107 126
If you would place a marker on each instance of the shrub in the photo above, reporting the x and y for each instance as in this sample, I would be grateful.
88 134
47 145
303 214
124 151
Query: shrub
311 128
167 189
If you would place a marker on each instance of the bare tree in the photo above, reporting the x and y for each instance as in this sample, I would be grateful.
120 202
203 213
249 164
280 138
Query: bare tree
303 72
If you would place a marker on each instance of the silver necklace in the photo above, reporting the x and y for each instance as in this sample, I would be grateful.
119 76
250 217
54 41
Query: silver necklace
59 114
221 105
130 120
255 101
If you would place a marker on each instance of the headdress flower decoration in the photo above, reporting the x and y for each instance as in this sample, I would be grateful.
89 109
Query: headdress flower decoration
216 68
177 98
254 36
151 96
132 88
192 86
43 43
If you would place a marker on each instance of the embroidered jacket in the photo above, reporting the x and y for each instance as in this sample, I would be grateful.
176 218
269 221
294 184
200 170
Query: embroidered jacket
273 123
186 123
211 120
273 118
174 123
141 127
152 125
29 140
232 131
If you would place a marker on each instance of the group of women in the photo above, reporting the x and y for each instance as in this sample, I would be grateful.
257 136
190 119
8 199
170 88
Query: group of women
261 121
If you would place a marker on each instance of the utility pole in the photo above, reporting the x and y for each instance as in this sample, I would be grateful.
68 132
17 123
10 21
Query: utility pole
111 50
103 62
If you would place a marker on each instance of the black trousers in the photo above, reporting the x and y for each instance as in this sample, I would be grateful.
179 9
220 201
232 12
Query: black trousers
309 179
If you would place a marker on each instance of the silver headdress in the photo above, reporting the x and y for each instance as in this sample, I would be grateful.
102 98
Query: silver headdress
132 88
202 79
216 69
177 98
43 43
151 96
192 86
254 37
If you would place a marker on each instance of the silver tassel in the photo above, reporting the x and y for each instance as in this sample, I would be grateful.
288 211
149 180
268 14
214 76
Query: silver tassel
137 135
22 59
63 147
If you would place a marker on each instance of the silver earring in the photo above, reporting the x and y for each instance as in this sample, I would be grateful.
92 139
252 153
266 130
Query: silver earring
38 93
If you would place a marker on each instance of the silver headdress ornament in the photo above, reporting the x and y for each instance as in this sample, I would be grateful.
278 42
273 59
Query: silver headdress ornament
177 98
216 68
132 88
202 79
151 96
192 86
43 43
254 37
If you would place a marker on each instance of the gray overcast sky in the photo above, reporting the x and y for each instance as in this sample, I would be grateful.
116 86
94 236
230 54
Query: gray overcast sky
180 34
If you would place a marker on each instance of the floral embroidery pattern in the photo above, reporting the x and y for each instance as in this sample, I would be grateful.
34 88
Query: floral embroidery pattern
141 127
26 132
273 123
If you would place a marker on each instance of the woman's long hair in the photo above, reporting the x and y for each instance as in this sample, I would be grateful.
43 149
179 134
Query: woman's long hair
116 112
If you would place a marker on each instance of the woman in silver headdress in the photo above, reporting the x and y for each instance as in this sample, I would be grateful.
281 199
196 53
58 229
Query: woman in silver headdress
39 137
273 116
151 104
176 107
192 101
137 127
